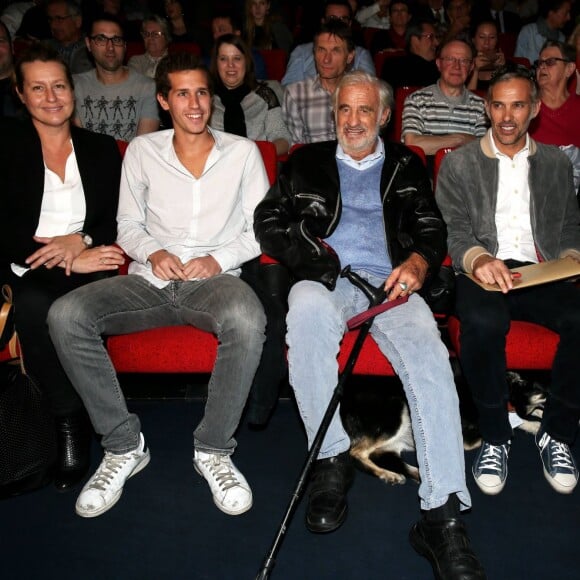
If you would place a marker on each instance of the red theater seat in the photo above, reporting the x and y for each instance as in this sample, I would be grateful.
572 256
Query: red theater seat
528 346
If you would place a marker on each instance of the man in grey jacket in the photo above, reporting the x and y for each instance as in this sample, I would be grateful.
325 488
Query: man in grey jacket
509 201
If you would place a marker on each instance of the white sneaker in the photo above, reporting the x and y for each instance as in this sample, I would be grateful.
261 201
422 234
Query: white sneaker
105 487
231 492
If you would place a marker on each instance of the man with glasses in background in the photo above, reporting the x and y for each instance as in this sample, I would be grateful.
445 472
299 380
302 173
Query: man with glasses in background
65 22
301 65
417 68
445 114
114 99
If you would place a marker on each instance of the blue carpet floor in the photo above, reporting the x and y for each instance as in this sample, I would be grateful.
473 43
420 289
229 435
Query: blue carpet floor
166 526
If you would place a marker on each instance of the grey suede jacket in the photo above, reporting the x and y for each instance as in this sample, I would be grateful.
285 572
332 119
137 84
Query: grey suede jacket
466 193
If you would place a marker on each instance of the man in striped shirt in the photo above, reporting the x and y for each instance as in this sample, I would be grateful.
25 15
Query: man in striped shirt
445 114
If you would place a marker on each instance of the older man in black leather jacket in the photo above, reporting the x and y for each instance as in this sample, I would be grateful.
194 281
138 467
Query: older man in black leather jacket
372 203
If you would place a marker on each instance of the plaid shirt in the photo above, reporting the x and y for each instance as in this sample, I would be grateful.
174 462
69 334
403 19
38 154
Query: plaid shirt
307 112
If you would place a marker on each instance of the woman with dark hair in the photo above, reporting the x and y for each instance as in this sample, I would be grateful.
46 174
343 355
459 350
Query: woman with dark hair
489 56
60 187
263 31
242 105
180 25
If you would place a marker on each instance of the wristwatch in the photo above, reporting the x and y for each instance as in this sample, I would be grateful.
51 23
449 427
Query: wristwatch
87 240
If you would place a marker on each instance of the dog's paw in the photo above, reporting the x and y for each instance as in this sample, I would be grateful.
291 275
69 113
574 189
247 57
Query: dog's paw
393 478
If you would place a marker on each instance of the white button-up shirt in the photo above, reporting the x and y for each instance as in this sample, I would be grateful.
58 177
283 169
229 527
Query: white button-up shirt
512 213
162 206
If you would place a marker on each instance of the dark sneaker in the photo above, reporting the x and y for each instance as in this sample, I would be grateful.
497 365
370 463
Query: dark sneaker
327 506
559 467
490 468
446 545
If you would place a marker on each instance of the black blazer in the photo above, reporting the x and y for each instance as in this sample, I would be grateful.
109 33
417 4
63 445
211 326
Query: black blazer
22 187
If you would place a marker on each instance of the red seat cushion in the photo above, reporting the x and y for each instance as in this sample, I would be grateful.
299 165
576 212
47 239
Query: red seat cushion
528 346
171 349
371 360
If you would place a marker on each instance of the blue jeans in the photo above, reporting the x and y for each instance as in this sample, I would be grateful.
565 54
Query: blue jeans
408 336
223 305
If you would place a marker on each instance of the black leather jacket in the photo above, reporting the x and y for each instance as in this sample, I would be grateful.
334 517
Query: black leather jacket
304 206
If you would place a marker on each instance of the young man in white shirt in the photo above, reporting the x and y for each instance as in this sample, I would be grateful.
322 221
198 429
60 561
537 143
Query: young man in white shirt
188 229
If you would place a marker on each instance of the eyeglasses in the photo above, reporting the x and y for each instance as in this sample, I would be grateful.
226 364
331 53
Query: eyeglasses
154 34
550 62
101 40
451 60
428 36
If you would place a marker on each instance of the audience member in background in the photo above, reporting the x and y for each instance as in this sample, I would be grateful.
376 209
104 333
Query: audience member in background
417 68
34 25
395 38
113 98
9 106
59 194
307 106
558 120
301 65
98 9
185 270
156 38
65 21
458 14
250 109
445 114
430 10
509 201
223 23
495 10
553 16
375 15
180 26
262 30
488 55
241 105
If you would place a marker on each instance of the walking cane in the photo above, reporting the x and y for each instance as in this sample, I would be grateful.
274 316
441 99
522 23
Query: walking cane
376 298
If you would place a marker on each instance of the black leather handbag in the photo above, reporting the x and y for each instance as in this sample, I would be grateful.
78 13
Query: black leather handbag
27 434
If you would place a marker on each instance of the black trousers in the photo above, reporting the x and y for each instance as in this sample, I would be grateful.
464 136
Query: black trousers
271 283
485 320
34 293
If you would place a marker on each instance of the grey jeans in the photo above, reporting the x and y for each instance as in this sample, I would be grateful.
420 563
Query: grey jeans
224 305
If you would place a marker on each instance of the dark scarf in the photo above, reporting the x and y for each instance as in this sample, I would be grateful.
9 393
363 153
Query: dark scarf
234 120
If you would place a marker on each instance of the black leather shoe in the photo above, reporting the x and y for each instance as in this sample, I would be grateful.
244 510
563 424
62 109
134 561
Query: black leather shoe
327 507
73 440
446 545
